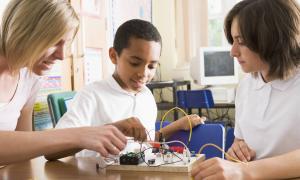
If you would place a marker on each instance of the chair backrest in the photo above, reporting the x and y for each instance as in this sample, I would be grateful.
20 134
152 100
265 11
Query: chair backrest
195 99
229 138
202 134
57 104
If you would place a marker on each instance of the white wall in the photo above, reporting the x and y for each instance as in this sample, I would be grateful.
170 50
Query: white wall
183 27
164 19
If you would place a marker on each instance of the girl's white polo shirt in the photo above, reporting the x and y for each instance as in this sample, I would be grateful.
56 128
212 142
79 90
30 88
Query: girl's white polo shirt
268 115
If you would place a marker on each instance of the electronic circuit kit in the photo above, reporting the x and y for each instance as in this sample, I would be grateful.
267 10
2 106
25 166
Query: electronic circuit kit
158 156
163 156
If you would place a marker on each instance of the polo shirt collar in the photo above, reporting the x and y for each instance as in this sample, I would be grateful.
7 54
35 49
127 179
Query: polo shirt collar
278 84
115 85
259 82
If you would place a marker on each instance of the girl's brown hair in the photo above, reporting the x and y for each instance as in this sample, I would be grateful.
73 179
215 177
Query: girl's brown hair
271 29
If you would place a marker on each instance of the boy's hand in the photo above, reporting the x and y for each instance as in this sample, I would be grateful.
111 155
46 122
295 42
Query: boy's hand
241 151
132 127
183 123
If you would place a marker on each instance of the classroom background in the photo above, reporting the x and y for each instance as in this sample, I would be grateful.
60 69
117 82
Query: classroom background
186 27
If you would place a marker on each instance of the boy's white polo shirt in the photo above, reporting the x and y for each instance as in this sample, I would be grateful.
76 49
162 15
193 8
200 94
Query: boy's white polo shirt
105 102
268 115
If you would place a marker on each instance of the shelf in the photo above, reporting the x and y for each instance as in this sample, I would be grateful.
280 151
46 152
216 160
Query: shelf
169 84
165 105
164 84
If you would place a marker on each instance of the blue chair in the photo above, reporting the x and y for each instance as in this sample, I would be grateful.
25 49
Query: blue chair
202 134
57 104
195 99
188 99
229 138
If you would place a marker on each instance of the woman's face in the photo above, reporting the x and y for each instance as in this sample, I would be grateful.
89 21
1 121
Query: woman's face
249 60
52 54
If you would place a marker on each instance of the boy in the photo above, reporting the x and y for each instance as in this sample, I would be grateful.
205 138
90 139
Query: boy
135 53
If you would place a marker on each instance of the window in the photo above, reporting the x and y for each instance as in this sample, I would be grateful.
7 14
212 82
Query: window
3 4
217 10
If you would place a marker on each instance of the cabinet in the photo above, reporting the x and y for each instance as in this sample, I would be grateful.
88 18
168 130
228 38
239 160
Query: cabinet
169 84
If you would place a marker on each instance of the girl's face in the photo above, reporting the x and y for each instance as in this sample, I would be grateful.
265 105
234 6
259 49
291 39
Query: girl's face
136 64
52 54
249 60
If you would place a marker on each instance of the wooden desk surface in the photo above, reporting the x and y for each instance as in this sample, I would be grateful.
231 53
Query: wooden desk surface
77 168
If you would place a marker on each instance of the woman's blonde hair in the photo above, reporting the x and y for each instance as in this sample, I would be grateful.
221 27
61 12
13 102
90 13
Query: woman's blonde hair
30 27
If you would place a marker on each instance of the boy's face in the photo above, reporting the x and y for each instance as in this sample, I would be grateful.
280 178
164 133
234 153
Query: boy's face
136 64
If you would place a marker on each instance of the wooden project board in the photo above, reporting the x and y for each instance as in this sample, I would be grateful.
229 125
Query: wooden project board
176 167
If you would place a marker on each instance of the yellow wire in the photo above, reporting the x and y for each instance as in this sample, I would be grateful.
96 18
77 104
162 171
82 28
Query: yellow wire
227 155
190 123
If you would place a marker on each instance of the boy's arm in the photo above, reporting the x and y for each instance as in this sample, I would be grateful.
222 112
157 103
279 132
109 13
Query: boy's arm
180 124
132 127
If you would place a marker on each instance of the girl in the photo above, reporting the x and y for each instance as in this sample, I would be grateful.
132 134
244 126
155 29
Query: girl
265 40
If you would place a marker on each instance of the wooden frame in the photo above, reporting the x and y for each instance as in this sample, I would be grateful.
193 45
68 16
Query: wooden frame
92 8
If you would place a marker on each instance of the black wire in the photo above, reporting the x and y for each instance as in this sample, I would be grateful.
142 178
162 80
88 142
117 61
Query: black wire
148 133
144 153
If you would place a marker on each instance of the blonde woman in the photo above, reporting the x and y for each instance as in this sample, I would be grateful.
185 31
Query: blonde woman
33 36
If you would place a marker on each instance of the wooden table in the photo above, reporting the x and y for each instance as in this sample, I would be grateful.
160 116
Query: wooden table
78 168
